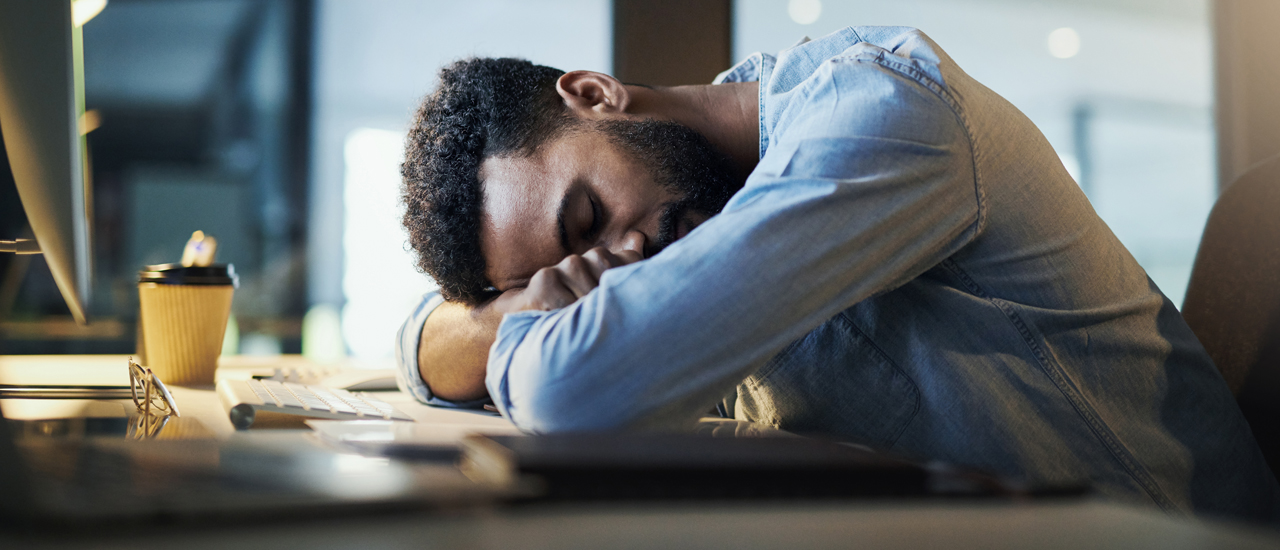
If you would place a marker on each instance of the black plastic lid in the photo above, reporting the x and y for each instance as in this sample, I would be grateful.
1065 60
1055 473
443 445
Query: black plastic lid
176 274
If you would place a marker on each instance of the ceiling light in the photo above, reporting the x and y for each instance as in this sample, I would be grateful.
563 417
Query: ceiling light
804 12
84 10
1064 43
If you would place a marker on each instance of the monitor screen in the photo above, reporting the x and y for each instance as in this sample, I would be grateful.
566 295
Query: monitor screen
41 105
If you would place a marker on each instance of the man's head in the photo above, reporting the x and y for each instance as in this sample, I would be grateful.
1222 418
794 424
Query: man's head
512 166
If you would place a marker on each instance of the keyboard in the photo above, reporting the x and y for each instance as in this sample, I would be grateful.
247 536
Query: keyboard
245 399
333 376
301 374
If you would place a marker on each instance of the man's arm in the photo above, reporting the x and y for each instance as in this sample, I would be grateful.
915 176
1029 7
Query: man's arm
454 349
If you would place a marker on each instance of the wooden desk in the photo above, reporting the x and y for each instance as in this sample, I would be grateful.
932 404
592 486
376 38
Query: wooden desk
202 414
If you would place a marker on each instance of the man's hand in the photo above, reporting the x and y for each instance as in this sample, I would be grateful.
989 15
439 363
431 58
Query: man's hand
562 284
454 348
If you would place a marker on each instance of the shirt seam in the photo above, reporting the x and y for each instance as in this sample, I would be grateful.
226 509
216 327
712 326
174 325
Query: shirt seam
915 388
804 90
1083 408
765 140
975 154
1086 411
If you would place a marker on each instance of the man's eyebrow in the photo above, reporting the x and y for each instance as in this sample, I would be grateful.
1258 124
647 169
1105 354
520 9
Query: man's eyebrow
560 213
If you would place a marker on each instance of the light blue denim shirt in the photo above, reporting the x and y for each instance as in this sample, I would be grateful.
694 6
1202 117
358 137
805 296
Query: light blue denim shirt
909 267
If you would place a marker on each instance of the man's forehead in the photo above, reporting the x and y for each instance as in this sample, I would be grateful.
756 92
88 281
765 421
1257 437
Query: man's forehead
518 231
513 189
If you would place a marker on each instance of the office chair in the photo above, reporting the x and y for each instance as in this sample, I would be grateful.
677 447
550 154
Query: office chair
1233 298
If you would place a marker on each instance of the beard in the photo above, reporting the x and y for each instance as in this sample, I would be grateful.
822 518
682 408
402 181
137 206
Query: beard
681 160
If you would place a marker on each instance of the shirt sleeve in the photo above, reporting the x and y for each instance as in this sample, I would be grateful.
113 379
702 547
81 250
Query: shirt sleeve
868 182
408 377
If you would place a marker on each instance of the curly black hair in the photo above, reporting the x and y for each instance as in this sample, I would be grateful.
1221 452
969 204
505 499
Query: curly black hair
483 107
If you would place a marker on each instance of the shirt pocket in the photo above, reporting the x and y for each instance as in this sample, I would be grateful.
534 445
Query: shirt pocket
833 381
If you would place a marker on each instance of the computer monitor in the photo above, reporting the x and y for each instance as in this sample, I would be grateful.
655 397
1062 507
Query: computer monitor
41 107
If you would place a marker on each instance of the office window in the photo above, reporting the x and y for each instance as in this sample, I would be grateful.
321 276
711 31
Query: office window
1122 89
374 63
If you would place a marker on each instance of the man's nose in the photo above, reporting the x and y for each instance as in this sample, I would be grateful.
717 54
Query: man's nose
632 240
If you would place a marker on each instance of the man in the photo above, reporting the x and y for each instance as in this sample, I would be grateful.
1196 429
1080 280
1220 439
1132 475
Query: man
854 239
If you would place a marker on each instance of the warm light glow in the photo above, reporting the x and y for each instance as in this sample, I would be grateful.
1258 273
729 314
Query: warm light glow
322 334
90 121
1064 43
84 10
804 12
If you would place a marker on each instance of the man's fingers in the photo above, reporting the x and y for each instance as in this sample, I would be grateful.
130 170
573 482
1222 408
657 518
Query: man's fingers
628 256
600 259
547 291
562 284
577 274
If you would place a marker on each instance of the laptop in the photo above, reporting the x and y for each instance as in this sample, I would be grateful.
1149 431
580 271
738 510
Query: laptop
94 479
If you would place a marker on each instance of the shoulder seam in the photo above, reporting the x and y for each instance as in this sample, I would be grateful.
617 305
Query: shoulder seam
909 71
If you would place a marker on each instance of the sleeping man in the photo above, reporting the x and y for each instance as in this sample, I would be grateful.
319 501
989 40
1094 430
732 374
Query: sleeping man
853 239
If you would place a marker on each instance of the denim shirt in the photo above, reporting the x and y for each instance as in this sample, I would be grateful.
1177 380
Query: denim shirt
908 267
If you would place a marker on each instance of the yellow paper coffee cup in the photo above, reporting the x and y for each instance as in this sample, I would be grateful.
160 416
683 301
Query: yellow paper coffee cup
184 313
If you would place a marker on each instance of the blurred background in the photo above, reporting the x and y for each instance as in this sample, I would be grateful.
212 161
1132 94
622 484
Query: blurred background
278 127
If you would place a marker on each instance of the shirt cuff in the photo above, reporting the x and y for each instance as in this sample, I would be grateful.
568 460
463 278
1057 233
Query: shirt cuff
408 377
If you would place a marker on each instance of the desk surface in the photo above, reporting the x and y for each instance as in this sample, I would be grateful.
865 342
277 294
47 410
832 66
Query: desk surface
202 414
741 525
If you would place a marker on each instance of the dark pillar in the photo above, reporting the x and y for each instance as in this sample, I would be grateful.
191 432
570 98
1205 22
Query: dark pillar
1247 84
671 42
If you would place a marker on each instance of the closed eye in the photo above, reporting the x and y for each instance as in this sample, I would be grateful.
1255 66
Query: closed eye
597 220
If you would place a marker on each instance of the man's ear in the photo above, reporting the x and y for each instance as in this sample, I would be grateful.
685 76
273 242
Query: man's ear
593 95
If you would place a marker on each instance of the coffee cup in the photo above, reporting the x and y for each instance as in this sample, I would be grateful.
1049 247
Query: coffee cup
184 312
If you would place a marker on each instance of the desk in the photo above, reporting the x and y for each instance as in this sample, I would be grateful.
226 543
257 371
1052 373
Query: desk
741 525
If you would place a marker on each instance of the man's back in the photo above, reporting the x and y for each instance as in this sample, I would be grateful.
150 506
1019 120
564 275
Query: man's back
1038 348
